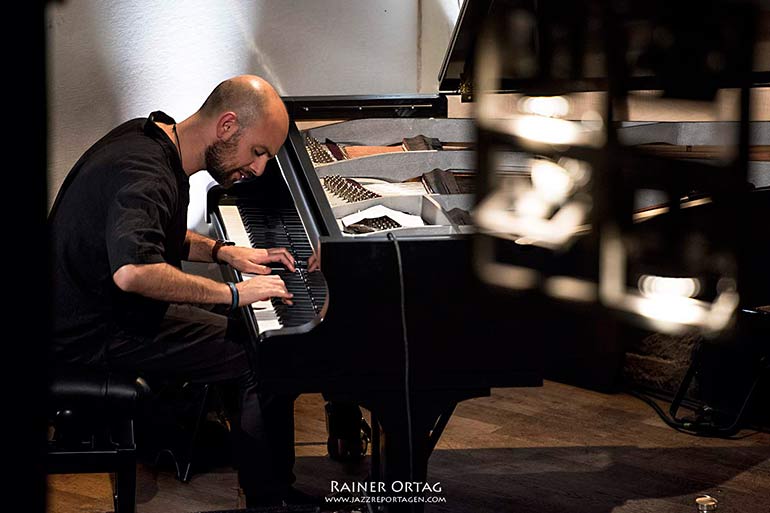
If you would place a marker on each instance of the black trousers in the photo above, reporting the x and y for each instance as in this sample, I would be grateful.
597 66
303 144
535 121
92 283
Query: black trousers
201 346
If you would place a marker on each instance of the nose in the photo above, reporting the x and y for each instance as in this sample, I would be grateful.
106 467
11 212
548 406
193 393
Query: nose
258 165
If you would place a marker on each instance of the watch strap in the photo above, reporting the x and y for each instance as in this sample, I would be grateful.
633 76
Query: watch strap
217 246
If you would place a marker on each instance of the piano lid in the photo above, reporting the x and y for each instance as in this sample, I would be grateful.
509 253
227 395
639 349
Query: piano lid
456 73
534 18
562 44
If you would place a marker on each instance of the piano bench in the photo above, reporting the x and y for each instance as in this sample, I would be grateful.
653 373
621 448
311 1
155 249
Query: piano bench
91 427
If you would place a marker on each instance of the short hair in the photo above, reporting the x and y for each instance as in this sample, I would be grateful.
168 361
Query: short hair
247 102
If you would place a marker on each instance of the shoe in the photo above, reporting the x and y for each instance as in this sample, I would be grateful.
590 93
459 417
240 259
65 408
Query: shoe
348 432
346 450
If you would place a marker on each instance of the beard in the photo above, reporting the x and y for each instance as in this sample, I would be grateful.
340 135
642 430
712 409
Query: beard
218 156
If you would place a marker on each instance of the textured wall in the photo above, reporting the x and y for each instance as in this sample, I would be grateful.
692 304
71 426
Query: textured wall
437 19
111 61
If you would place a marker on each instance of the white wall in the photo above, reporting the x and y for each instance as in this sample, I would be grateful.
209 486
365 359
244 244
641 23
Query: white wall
437 20
112 61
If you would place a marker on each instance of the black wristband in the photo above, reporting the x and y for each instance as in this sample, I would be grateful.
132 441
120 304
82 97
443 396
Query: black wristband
234 292
217 246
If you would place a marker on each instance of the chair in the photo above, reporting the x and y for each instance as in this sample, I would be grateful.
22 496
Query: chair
92 415
731 377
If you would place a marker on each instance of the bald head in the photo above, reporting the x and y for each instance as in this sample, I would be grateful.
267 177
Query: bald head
238 129
250 97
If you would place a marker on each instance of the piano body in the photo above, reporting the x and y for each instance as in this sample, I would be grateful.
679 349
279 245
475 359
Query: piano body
395 320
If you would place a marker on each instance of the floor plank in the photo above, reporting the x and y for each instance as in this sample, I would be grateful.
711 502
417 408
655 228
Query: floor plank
550 449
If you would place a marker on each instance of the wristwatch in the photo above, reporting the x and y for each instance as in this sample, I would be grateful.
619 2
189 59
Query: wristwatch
217 246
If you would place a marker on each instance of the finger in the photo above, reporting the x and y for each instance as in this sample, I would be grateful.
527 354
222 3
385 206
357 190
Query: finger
252 268
274 282
283 257
276 251
279 250
313 263
269 286
284 251
269 282
284 295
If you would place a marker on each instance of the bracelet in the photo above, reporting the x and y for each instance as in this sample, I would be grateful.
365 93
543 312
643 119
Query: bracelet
217 246
234 292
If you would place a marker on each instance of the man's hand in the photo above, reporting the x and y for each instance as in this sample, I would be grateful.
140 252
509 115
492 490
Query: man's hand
249 260
313 263
260 288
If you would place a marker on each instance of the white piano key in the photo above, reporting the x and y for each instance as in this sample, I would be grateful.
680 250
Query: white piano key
236 231
264 312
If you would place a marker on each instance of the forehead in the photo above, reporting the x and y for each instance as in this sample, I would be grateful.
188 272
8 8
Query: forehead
266 133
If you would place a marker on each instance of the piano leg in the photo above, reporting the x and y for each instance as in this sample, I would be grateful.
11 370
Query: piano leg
406 476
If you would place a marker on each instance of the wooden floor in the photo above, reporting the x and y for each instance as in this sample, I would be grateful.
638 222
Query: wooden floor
541 450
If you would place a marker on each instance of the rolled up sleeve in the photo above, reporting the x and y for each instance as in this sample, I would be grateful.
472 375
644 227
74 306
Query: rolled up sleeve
136 222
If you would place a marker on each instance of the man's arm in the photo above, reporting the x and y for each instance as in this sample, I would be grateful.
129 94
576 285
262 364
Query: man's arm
165 282
199 247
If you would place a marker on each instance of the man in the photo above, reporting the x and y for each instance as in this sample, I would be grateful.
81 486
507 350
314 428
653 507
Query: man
121 300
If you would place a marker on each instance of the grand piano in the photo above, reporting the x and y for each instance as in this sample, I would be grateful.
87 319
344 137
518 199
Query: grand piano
395 320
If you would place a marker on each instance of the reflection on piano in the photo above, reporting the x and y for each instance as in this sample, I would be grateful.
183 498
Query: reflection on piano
345 336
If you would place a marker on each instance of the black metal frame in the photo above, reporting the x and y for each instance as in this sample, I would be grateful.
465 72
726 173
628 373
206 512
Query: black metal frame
182 451
755 326
619 170
303 108
109 447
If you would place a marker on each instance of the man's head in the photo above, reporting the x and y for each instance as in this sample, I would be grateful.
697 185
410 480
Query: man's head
247 124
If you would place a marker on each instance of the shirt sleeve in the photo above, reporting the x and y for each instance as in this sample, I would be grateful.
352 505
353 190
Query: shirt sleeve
137 219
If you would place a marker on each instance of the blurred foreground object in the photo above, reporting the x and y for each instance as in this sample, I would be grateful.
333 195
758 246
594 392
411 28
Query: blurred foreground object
602 217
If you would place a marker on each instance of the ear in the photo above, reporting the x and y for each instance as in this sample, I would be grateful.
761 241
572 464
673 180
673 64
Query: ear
227 125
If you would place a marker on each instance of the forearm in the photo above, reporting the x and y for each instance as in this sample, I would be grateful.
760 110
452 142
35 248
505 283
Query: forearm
165 282
199 247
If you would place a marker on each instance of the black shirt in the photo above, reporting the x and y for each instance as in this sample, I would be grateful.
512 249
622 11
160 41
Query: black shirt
124 202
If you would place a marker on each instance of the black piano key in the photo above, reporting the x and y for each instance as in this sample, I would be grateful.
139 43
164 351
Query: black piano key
289 317
300 301
282 227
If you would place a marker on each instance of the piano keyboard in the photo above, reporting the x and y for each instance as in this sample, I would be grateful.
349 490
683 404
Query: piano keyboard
250 225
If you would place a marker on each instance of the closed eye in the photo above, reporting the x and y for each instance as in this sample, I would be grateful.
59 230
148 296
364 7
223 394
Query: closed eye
260 153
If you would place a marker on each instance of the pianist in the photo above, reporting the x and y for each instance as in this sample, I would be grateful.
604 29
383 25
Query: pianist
118 237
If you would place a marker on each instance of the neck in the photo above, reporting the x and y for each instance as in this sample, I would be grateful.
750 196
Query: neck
188 142
178 144
193 144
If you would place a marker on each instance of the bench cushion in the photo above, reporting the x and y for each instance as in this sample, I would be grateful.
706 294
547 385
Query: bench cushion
96 392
